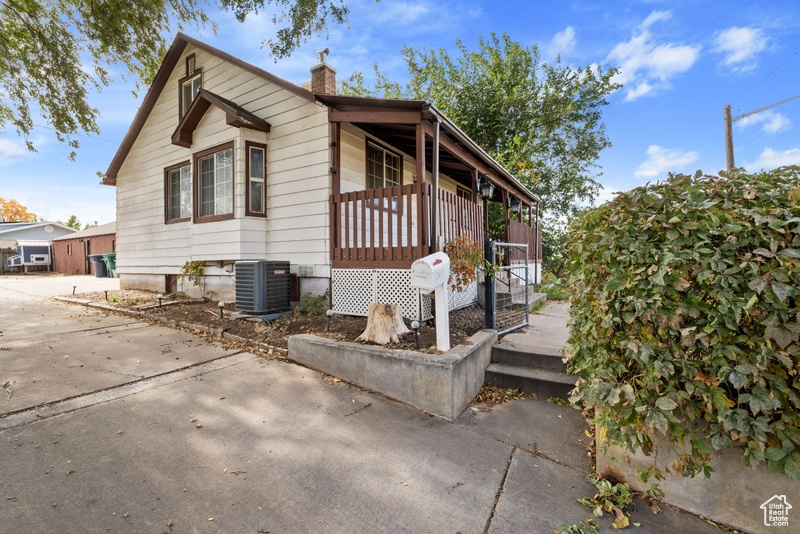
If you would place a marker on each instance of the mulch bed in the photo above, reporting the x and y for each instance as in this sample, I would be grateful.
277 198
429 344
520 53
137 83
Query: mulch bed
276 333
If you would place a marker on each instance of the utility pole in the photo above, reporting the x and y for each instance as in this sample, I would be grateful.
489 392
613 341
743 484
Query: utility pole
729 139
729 128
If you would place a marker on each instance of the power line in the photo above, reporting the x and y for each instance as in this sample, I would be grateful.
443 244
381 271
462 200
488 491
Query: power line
773 71
78 134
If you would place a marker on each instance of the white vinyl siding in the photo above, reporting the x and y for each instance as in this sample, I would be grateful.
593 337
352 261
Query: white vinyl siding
297 178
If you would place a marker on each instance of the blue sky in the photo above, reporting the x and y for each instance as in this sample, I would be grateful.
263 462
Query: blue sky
681 61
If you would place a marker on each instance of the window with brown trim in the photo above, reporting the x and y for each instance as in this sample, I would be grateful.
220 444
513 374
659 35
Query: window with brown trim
178 192
213 184
69 249
384 169
256 171
462 192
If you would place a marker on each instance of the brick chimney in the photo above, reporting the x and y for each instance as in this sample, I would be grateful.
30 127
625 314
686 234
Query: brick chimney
323 76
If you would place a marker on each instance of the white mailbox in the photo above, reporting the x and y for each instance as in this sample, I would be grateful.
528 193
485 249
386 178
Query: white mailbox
430 272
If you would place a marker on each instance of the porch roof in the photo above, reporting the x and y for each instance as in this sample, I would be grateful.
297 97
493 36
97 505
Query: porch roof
394 121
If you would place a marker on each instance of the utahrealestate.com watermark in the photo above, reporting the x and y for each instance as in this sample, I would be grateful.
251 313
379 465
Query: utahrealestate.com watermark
776 511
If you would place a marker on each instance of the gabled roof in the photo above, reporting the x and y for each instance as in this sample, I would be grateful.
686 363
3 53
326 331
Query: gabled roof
103 229
234 116
171 59
10 227
396 114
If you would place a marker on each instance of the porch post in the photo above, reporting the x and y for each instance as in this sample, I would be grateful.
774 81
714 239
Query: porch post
490 304
336 180
504 197
420 154
474 184
435 201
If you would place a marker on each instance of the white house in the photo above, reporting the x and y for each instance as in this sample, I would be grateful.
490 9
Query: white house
226 162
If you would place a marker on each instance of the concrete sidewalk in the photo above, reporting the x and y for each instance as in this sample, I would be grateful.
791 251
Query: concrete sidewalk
242 444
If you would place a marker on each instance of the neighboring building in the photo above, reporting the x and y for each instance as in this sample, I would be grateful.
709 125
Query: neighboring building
226 162
31 256
13 232
71 252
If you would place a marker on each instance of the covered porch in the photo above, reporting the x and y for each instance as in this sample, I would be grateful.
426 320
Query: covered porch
391 227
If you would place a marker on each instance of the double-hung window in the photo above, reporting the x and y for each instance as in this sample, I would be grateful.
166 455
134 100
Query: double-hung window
214 183
383 169
189 90
179 192
190 84
256 179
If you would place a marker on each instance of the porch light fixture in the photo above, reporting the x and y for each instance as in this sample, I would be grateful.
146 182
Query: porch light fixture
221 305
486 188
514 204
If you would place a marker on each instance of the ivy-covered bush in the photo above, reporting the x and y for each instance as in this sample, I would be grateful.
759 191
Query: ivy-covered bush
685 323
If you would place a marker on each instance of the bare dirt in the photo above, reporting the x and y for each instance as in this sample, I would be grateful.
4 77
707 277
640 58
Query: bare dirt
276 333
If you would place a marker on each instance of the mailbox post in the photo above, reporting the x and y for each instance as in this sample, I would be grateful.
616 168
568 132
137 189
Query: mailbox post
430 274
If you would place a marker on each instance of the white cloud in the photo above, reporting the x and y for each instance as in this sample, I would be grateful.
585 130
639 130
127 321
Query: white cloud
11 149
563 42
740 46
403 12
646 65
662 160
772 122
770 159
654 17
606 194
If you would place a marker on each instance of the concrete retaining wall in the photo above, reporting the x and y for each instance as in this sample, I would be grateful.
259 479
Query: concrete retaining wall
732 496
442 385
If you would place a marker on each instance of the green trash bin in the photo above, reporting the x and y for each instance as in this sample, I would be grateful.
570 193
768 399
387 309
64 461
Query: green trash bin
111 263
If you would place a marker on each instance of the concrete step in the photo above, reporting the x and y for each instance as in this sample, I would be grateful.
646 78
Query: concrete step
542 382
534 359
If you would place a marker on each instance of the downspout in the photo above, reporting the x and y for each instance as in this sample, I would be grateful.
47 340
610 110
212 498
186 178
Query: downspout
336 179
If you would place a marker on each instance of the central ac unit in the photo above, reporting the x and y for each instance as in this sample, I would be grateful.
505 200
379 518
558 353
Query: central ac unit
262 286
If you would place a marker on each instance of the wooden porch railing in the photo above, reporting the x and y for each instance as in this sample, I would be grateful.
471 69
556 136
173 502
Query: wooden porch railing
521 233
390 228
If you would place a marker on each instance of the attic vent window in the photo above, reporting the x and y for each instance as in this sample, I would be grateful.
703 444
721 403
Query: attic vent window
189 85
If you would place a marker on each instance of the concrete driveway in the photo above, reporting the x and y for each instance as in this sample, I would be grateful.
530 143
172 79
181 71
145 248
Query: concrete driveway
110 425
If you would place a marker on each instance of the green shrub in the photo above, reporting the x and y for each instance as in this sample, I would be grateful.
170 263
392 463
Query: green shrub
685 302
554 288
312 305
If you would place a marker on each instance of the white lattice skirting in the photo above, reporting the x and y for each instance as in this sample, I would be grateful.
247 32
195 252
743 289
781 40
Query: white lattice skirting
354 289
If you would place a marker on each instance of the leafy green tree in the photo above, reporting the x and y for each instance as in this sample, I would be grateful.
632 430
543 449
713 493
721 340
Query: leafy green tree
53 52
541 121
73 222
